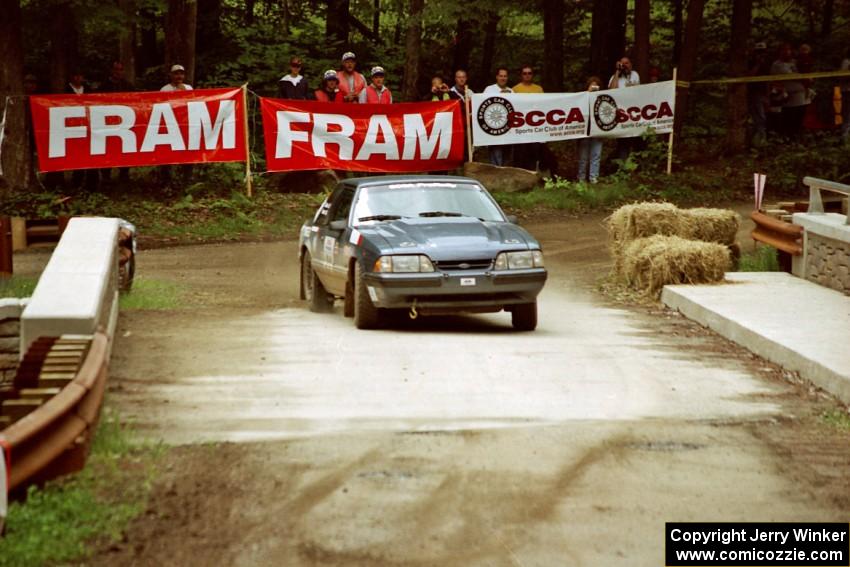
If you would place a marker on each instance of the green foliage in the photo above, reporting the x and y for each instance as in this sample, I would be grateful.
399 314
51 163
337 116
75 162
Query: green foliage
17 286
56 524
838 418
762 259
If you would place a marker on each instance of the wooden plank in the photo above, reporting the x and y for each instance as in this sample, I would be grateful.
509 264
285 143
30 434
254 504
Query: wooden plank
775 225
778 241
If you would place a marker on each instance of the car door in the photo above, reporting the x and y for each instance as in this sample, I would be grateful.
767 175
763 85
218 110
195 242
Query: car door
336 241
322 254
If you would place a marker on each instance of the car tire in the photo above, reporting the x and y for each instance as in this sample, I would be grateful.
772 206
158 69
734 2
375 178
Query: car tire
320 301
348 303
524 316
366 315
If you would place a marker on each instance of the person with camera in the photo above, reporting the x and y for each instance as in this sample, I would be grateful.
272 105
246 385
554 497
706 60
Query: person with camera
590 149
439 90
623 77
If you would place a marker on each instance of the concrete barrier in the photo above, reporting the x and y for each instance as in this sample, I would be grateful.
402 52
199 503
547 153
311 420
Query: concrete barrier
77 293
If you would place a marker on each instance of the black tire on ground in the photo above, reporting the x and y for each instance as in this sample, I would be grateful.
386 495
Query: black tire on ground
366 315
320 301
126 273
348 304
524 316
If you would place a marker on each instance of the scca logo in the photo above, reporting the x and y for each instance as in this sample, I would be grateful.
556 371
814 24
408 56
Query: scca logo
607 114
497 116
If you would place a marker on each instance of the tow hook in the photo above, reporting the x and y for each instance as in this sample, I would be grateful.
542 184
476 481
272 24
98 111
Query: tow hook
413 314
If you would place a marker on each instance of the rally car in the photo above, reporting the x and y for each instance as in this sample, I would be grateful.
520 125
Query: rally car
427 244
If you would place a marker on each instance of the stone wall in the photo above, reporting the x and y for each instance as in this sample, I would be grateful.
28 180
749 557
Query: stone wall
10 337
828 262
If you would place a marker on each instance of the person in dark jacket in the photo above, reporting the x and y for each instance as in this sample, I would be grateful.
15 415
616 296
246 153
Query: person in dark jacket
293 86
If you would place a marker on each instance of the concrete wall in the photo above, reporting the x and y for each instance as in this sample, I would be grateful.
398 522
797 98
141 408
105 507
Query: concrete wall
77 293
826 250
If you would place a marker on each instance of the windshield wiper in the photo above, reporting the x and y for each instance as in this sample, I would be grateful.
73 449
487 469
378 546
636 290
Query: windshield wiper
379 218
441 214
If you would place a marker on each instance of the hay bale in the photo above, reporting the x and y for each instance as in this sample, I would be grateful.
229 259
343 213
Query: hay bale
709 225
651 263
639 220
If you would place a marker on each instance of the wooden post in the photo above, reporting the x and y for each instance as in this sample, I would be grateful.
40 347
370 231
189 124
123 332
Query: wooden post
468 103
5 247
672 132
248 184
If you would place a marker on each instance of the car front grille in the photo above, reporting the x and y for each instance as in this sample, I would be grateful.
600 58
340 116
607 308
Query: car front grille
461 265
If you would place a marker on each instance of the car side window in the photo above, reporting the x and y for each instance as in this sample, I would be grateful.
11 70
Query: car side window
322 218
342 207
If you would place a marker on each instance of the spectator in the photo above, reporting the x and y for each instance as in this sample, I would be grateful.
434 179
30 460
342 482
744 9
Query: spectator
590 149
177 80
624 76
376 93
439 90
757 93
845 100
329 91
498 153
177 76
460 91
351 83
526 84
794 107
77 84
293 86
654 74
115 83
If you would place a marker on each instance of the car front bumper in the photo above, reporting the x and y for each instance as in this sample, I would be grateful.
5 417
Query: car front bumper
469 290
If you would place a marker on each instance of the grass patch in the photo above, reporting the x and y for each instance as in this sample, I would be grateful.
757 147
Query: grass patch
17 286
762 259
62 521
152 295
837 418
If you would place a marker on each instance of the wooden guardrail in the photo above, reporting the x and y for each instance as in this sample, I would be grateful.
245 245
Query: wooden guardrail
781 235
54 438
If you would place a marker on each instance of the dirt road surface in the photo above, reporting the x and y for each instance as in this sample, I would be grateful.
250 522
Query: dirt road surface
452 441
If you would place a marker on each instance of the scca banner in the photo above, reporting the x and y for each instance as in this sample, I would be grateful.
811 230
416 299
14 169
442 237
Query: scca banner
410 137
138 129
499 119
631 111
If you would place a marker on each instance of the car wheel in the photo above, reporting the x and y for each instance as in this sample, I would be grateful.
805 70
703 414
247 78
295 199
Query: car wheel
320 301
524 317
126 273
366 315
348 303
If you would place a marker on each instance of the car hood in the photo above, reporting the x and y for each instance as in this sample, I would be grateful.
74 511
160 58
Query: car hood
451 238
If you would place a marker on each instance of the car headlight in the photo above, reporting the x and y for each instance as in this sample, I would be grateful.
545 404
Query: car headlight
411 263
519 260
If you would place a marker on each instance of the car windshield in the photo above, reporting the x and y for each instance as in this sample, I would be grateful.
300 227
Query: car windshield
420 200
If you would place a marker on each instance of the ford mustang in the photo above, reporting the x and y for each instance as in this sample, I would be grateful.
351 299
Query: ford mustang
427 244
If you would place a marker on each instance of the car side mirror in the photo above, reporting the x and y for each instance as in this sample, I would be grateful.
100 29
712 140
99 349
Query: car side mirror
512 219
338 225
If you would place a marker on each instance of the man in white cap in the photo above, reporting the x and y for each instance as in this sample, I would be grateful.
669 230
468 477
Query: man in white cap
178 80
351 83
376 93
329 91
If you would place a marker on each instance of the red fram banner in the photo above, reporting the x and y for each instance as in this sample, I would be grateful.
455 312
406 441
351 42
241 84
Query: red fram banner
138 129
407 137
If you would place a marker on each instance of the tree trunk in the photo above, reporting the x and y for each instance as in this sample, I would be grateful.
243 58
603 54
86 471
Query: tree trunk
553 45
641 53
249 11
180 28
678 8
826 22
688 61
736 117
63 46
16 152
488 52
127 40
463 47
337 27
148 54
608 36
413 46
376 19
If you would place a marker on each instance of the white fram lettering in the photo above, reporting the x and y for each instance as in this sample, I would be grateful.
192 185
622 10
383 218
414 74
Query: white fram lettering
163 113
224 126
100 130
322 135
415 134
389 147
59 130
286 135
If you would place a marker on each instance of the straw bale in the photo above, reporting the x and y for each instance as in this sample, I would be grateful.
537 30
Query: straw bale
649 264
709 225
